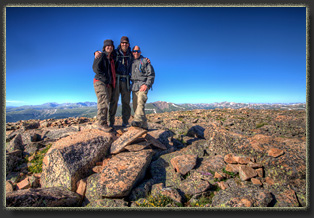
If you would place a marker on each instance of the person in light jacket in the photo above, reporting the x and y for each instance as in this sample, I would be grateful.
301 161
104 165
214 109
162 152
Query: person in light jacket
142 77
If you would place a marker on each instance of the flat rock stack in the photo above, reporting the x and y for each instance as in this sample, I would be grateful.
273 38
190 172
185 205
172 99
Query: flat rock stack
199 158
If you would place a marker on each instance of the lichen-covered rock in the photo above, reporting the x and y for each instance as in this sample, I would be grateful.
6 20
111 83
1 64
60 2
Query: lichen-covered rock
162 136
108 203
13 159
15 144
183 163
212 164
237 195
196 131
58 133
191 186
31 124
246 172
72 158
119 176
43 197
142 190
155 142
286 198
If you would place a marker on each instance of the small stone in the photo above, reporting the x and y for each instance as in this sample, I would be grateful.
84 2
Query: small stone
275 152
172 194
256 181
260 172
246 202
81 187
9 186
255 165
97 169
219 176
234 168
237 159
155 142
223 185
229 158
246 172
269 181
24 184
183 163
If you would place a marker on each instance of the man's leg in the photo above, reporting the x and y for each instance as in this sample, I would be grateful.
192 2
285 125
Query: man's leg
139 113
113 105
125 99
134 99
103 97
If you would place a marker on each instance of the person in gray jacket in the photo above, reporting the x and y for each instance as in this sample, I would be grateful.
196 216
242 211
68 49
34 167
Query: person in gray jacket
142 77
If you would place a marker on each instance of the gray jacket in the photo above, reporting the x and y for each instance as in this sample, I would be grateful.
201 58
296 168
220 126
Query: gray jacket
142 73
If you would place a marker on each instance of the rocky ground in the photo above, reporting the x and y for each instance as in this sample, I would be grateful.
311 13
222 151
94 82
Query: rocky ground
197 158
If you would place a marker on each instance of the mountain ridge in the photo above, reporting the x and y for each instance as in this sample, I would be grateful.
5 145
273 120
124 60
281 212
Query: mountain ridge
53 110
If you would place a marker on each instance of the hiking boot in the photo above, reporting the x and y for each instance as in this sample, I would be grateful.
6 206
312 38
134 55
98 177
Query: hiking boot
136 124
145 126
104 127
125 125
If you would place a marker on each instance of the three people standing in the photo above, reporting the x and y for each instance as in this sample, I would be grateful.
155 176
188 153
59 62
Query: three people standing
127 68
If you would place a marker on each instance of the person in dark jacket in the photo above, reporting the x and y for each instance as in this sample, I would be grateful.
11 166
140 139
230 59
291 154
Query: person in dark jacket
143 76
124 60
123 64
104 83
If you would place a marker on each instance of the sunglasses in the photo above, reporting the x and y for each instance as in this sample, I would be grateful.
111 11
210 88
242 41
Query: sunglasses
136 51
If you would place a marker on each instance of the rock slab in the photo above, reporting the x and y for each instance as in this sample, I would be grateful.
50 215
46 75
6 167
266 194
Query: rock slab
120 175
43 197
126 139
72 158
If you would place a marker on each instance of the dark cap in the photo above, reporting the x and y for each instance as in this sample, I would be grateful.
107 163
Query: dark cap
108 42
124 39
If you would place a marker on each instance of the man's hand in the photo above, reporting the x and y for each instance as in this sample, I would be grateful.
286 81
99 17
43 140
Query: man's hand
97 54
143 88
148 61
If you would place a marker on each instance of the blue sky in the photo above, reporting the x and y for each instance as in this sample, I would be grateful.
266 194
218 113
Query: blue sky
200 54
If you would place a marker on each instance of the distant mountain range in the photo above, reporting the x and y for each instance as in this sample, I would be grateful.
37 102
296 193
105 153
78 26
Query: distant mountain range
89 109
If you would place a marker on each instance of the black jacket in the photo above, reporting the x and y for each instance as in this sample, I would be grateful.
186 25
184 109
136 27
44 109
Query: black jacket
101 67
123 62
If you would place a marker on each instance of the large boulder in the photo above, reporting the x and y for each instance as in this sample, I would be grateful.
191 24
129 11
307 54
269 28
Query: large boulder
242 196
119 176
15 144
13 160
43 197
72 158
58 133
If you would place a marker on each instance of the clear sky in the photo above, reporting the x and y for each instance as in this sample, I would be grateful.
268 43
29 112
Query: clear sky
200 54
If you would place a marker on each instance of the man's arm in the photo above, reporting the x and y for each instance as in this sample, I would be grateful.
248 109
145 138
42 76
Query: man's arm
98 64
150 78
97 54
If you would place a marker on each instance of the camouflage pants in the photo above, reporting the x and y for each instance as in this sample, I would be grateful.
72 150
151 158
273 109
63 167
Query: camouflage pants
103 93
139 101
125 99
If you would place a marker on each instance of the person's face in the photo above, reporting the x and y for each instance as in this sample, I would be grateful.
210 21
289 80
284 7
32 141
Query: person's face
136 52
124 46
109 48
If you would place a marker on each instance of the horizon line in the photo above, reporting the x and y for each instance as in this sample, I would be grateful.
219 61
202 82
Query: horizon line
155 102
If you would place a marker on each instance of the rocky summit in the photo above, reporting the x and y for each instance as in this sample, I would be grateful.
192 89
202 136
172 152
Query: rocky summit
214 158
